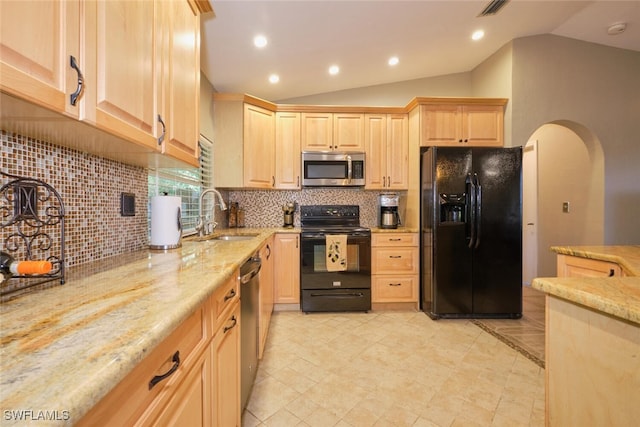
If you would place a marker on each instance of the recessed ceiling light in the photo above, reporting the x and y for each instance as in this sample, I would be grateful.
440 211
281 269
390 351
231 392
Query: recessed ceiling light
477 35
393 60
260 41
274 78
334 69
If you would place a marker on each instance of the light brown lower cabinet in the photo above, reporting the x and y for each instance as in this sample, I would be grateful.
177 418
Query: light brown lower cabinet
394 270
192 378
573 266
225 350
286 274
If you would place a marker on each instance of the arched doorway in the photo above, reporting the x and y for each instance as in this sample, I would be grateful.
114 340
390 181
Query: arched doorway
563 194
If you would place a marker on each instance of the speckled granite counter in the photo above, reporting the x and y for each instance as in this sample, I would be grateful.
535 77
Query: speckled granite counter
394 230
616 296
64 348
628 257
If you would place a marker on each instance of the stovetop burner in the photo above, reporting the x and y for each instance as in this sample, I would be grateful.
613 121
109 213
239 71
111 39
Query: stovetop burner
331 219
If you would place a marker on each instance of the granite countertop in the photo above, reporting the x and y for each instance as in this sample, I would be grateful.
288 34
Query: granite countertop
401 229
628 257
615 296
65 347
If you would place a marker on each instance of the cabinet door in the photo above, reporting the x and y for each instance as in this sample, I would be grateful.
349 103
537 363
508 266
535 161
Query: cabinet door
226 372
36 42
375 137
265 297
482 125
348 132
441 125
287 151
317 131
181 80
122 69
286 275
397 152
191 403
258 150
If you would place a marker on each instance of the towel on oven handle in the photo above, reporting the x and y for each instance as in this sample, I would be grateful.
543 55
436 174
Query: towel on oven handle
336 248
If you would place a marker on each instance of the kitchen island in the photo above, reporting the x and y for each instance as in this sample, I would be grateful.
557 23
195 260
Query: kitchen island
66 347
592 341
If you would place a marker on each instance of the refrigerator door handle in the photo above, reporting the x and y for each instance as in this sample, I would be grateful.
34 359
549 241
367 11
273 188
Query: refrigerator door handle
478 209
472 210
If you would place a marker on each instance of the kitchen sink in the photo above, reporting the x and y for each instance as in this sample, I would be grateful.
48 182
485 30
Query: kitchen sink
223 237
231 237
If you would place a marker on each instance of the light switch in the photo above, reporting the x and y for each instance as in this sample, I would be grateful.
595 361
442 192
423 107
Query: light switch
565 207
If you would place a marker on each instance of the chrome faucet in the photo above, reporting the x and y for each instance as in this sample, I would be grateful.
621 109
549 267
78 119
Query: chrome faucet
202 226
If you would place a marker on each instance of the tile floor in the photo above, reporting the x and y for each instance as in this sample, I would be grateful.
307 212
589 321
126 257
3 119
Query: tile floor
391 369
525 334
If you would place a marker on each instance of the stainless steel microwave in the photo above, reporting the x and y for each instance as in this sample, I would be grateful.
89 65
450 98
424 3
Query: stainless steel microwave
332 169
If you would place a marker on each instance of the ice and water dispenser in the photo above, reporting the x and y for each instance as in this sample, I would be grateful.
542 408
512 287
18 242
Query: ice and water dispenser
452 207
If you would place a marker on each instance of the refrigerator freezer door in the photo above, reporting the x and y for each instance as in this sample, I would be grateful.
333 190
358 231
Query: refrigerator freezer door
497 258
452 259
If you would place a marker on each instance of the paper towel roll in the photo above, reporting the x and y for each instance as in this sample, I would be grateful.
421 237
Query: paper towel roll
166 224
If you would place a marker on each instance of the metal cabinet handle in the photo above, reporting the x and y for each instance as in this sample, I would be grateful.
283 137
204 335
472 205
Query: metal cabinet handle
268 251
296 241
298 184
395 256
389 181
273 181
395 240
75 95
611 272
233 325
176 363
231 294
384 181
164 130
395 284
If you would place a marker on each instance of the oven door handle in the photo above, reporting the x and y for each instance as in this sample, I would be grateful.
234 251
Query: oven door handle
340 295
306 237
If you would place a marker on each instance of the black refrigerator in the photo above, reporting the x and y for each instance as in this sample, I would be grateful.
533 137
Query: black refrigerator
471 232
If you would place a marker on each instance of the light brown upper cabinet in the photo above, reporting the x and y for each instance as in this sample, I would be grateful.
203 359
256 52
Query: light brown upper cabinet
287 161
129 69
387 151
259 147
37 42
143 72
332 132
456 125
244 142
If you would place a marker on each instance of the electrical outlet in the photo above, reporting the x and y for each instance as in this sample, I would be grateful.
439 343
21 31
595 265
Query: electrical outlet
565 207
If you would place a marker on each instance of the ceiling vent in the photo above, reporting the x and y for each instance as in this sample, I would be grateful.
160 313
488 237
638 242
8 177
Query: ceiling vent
493 7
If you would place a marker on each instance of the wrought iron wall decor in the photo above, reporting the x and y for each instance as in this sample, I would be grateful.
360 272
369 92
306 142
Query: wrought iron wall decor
31 228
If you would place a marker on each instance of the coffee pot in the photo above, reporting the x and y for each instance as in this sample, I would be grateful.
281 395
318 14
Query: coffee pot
289 208
389 215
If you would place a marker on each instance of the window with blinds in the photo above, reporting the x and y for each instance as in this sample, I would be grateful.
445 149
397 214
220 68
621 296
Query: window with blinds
186 183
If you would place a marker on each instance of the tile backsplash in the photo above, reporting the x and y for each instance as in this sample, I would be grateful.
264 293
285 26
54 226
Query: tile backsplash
264 208
90 188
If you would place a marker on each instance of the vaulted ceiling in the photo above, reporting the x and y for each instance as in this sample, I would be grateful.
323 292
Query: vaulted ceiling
429 37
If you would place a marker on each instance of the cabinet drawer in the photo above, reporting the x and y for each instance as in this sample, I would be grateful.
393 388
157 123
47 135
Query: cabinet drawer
134 400
223 299
394 239
394 260
394 288
572 266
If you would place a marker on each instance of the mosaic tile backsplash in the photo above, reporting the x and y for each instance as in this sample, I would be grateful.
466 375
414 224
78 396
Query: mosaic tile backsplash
90 188
264 208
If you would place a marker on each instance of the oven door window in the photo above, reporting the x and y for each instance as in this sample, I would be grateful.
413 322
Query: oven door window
320 258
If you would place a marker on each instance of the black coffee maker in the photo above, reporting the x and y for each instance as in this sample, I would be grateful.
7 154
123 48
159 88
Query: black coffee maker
389 215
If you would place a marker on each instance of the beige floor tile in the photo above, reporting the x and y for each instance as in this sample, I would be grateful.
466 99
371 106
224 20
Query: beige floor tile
391 369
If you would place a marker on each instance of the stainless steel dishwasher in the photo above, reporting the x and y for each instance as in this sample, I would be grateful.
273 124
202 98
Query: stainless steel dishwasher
250 287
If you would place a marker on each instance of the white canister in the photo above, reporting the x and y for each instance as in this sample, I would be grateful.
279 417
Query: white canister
166 224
